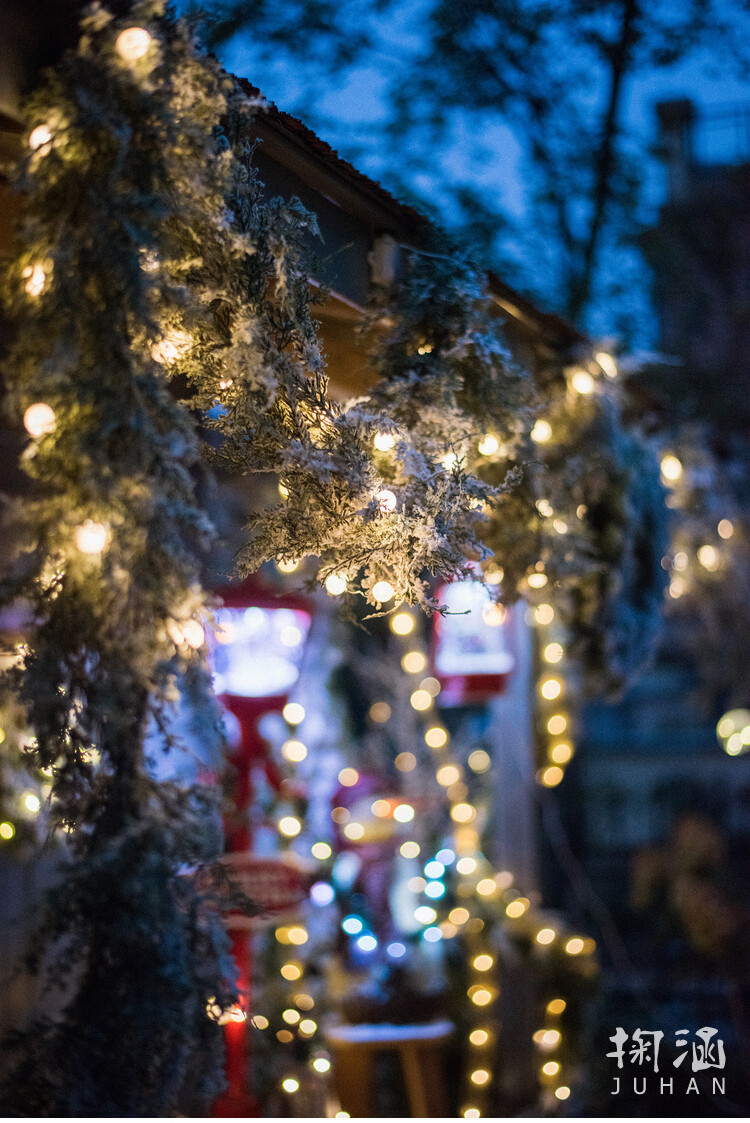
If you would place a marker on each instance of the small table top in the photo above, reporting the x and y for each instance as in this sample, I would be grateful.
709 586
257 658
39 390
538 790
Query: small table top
386 1034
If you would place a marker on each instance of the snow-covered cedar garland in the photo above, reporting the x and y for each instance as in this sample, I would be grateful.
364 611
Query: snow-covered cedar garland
576 517
148 252
122 174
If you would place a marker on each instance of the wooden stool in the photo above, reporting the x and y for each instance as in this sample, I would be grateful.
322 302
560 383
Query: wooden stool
419 1049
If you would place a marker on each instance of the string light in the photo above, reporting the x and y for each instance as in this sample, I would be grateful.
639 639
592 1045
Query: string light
544 614
466 865
671 468
386 502
574 946
421 700
383 591
556 1006
91 537
536 580
287 566
545 936
479 761
294 751
542 432
725 529
289 826
550 689
486 887
607 363
479 1037
582 382
293 713
321 1064
354 831
709 558
517 908
413 662
550 777
436 737
336 584
31 802
562 1092
480 1076
488 445
291 972
290 1084
463 813
551 1068
39 136
448 775
402 624
405 762
7 830
380 712
39 420
483 963
384 442
553 652
172 347
404 813
410 849
557 724
193 633
36 279
321 851
561 753
133 43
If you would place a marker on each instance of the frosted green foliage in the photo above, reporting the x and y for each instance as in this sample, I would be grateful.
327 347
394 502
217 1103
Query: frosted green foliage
585 508
110 568
257 367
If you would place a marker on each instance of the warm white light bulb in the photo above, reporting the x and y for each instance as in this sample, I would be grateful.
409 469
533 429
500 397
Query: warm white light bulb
542 432
171 347
39 420
335 584
582 382
607 363
36 278
133 43
90 537
193 633
382 591
671 468
488 445
39 136
386 501
384 442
